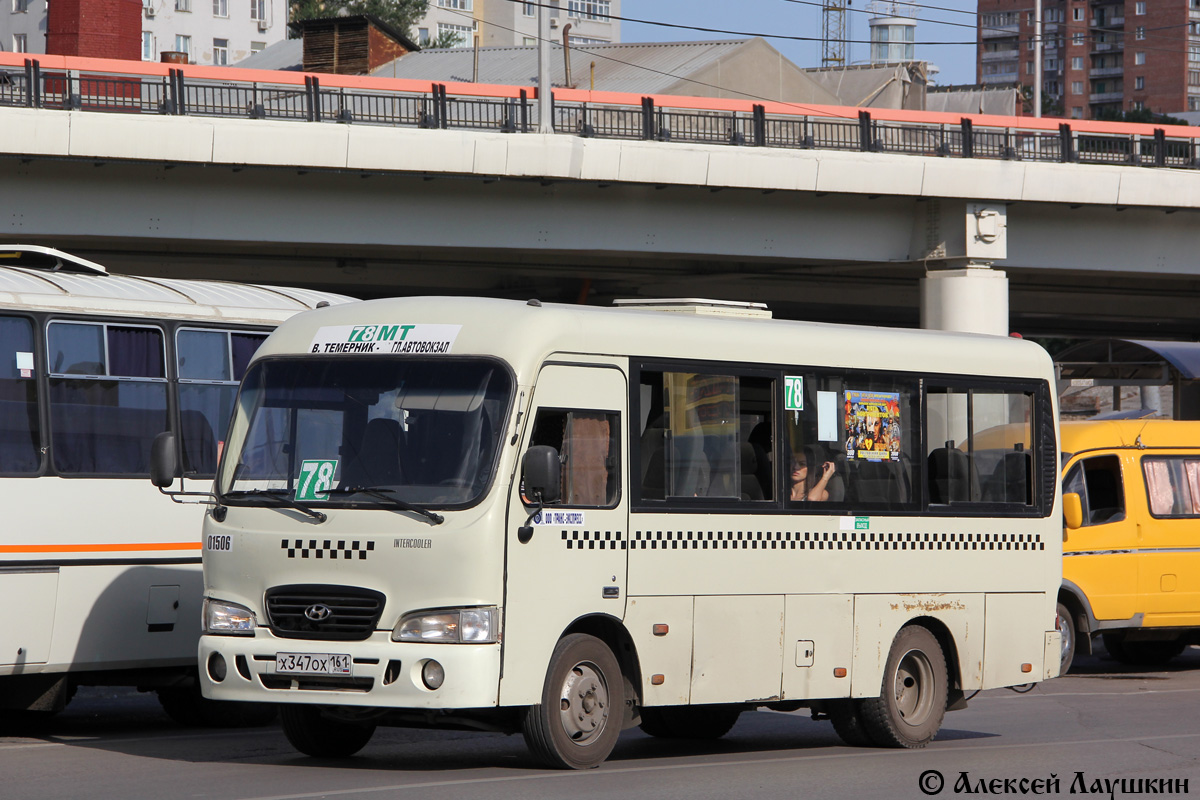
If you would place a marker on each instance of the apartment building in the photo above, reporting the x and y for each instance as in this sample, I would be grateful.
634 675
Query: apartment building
501 23
1098 56
217 32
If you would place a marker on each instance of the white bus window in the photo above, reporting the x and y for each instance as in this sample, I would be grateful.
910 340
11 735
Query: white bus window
208 365
203 355
980 446
108 397
586 442
706 435
850 439
425 432
20 438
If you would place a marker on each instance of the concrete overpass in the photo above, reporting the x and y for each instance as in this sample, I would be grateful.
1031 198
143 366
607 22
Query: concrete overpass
821 234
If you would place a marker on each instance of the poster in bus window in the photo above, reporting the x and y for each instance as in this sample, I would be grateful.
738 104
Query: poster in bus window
872 425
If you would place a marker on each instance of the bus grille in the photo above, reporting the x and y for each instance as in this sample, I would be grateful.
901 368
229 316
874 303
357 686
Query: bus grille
345 613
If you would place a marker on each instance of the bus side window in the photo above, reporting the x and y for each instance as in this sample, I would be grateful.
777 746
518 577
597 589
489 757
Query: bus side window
1097 481
108 396
20 437
586 442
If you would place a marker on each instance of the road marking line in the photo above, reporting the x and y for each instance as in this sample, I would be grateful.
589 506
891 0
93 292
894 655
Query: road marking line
858 754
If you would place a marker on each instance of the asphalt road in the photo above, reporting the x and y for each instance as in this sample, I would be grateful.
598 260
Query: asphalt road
1100 723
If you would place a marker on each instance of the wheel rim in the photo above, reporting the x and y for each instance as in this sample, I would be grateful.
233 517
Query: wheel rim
914 687
583 703
1065 631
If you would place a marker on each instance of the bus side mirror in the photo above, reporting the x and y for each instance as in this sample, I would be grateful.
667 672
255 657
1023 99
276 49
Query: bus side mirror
542 473
163 463
1072 511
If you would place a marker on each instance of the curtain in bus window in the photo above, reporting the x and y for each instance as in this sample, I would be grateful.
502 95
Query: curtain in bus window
135 352
587 466
1158 487
19 435
243 347
1191 471
100 425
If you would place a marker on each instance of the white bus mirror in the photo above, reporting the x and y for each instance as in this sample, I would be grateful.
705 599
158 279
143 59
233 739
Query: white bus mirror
163 464
542 473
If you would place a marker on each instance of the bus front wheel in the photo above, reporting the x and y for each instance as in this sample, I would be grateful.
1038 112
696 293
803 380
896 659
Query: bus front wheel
320 736
577 723
912 700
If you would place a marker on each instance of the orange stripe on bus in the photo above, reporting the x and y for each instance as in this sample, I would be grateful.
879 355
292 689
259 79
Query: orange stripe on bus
96 548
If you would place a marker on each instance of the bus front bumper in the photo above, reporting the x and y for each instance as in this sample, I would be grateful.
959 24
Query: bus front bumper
376 672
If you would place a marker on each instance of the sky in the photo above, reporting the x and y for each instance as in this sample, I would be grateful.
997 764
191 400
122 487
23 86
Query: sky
937 21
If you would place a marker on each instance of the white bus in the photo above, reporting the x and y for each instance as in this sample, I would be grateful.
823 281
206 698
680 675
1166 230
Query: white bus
100 576
568 521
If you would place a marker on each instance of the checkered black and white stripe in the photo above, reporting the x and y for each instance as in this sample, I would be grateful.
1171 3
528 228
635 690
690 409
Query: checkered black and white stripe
327 548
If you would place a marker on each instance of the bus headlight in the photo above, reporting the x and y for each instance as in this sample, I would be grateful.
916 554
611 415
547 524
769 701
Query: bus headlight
450 626
228 619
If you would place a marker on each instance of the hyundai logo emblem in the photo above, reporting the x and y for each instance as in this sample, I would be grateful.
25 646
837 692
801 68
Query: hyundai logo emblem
318 612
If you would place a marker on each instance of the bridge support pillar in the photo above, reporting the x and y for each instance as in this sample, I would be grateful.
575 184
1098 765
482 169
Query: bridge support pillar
973 299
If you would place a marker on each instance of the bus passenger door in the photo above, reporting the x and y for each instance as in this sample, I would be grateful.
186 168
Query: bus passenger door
573 564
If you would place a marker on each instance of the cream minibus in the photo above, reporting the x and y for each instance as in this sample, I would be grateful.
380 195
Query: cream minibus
568 521
100 575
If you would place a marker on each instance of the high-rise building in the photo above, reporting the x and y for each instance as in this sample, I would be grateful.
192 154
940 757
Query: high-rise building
1099 56
505 23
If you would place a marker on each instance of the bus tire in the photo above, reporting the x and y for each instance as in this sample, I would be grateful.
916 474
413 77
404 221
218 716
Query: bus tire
320 736
847 720
912 699
577 723
1065 622
690 722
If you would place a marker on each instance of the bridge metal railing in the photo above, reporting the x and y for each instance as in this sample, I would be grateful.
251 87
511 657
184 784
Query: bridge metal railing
177 94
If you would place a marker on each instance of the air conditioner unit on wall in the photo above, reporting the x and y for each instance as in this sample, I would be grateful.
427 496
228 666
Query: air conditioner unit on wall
150 12
262 25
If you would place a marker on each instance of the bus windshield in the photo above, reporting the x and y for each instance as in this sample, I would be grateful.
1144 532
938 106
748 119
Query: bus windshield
347 430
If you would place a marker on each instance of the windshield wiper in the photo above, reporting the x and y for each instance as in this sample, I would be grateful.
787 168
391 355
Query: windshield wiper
280 499
386 495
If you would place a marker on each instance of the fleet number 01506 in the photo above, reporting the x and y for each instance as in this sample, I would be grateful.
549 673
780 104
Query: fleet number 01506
313 663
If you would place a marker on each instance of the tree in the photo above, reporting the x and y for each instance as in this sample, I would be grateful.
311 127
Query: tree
1139 115
400 14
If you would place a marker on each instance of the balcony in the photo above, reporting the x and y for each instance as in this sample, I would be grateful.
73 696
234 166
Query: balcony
1108 47
1107 97
1106 72
1111 22
1001 31
1000 55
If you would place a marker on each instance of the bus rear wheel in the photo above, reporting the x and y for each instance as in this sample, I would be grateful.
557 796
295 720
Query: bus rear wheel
690 722
912 700
577 723
316 734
